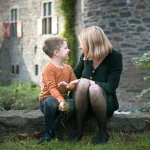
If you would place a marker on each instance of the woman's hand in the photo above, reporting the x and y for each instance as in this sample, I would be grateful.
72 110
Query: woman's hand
63 84
92 82
74 81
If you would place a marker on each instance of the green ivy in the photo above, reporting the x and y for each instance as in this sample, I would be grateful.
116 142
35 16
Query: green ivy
66 9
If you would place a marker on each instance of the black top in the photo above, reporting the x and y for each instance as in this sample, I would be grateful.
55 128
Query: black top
107 74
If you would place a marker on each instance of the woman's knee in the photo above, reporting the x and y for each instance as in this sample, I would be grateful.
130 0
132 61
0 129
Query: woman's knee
95 91
51 103
83 84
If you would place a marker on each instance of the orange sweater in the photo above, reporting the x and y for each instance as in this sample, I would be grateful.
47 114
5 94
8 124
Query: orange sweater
53 75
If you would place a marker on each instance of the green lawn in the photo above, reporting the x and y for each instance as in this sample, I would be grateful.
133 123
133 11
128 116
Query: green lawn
118 141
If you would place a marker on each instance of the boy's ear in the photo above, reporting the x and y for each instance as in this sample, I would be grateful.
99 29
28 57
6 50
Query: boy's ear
56 52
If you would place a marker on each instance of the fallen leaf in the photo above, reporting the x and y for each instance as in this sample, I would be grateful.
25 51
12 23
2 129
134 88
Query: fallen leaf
22 135
21 142
14 138
116 143
38 134
121 134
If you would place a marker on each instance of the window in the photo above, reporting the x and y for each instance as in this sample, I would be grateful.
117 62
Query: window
35 49
47 18
36 70
13 24
21 48
17 69
13 69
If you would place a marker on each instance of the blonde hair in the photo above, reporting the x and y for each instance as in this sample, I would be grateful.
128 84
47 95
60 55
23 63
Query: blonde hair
95 43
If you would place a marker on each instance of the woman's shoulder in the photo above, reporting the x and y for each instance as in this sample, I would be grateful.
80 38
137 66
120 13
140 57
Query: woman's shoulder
114 58
114 55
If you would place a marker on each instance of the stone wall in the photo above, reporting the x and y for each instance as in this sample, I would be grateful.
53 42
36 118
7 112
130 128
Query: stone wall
127 25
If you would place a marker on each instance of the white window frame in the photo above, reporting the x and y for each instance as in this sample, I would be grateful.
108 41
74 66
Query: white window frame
47 16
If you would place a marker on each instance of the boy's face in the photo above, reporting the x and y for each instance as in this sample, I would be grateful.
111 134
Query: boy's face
64 51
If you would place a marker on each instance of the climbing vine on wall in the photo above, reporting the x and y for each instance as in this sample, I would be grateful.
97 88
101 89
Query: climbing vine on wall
66 9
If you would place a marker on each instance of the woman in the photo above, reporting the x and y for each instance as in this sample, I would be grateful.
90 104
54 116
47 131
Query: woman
98 71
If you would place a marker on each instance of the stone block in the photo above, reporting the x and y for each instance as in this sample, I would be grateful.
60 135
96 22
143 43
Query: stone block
24 121
125 14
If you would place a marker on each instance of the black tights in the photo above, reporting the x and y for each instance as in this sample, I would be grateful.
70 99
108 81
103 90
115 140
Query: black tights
84 94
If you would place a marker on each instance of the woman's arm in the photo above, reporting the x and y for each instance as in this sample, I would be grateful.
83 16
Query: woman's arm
72 78
115 71
79 67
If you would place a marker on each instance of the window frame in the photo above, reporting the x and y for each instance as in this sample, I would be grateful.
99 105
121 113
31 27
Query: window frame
48 18
13 22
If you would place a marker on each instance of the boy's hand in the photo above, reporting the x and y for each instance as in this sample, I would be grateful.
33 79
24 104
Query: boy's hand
63 84
74 81
61 106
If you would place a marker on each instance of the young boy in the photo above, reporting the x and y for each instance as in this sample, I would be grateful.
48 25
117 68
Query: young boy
56 77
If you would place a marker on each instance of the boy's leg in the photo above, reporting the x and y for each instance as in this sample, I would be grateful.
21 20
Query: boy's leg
63 117
49 107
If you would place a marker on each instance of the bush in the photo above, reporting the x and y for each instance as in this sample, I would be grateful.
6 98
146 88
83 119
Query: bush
143 63
19 96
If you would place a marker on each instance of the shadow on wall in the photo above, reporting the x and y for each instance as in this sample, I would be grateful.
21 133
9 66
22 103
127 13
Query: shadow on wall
12 64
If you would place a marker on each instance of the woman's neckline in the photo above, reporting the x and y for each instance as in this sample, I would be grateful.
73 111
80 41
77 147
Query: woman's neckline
98 64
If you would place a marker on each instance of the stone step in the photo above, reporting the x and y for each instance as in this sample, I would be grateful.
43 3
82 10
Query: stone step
25 121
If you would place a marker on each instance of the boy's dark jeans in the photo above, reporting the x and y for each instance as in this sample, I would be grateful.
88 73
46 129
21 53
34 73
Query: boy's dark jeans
54 119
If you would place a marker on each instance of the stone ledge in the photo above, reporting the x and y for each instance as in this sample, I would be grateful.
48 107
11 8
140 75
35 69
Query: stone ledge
24 121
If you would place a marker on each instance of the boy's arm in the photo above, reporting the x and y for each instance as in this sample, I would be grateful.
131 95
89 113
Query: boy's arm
49 78
72 77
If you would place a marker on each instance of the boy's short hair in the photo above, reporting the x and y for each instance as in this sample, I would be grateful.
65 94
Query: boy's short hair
52 44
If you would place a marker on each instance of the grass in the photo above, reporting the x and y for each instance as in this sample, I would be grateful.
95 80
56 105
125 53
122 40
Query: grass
118 141
19 96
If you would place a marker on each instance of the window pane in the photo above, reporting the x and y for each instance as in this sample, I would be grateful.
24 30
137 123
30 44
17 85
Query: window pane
36 69
17 69
15 14
12 15
49 25
13 69
15 29
44 9
49 9
44 25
